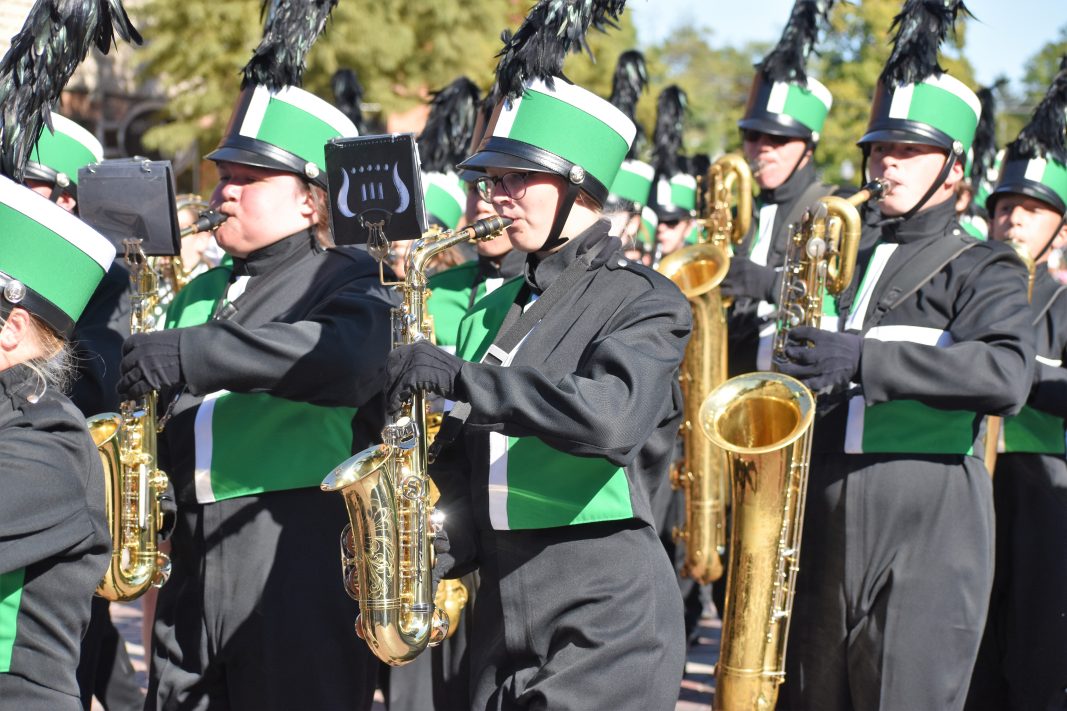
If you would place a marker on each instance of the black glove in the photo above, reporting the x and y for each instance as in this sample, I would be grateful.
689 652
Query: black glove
443 562
748 279
825 361
419 366
150 361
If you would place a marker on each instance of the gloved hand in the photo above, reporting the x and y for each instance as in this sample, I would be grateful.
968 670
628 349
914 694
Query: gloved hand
828 364
443 562
150 361
419 366
745 278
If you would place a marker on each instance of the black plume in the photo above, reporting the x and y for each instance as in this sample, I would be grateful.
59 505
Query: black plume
667 138
348 97
291 28
630 80
787 61
551 30
1046 133
446 138
984 148
52 43
921 26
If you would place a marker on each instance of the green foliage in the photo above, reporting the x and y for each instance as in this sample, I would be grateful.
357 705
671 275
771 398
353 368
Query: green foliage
716 80
195 50
1043 66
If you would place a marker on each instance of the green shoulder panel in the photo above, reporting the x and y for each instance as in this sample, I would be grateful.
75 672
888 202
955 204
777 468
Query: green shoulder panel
478 328
196 303
449 297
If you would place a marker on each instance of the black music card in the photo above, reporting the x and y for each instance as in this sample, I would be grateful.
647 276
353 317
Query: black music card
375 187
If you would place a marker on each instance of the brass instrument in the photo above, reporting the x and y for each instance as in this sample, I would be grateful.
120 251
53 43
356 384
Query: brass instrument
697 270
993 423
133 484
764 422
386 550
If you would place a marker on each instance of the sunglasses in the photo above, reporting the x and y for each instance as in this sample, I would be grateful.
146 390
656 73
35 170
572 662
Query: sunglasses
750 136
513 185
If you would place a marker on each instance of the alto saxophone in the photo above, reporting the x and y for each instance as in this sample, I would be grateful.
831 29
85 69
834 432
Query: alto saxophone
133 484
386 549
764 422
698 270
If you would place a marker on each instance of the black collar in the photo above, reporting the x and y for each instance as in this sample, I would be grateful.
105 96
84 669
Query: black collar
540 273
934 221
503 267
269 258
791 189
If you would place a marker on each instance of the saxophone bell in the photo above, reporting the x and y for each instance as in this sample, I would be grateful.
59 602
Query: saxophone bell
387 548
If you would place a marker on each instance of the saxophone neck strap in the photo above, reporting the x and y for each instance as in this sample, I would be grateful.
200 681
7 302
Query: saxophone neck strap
920 268
517 325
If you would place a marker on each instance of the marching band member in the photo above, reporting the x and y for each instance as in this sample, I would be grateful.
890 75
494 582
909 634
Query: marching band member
1023 663
104 669
573 412
276 362
898 531
674 196
54 540
780 131
627 203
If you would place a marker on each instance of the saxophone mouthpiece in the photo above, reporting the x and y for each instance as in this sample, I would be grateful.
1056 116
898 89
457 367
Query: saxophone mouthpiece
207 221
879 188
482 229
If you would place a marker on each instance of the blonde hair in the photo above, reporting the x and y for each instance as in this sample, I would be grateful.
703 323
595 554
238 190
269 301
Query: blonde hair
55 367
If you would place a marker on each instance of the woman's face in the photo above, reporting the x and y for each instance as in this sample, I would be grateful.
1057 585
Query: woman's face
262 206
532 213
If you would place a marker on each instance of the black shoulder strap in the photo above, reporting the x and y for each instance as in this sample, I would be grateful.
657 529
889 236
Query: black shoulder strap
1048 304
917 271
807 198
516 326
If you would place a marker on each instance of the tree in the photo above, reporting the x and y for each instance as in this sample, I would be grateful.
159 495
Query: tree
401 52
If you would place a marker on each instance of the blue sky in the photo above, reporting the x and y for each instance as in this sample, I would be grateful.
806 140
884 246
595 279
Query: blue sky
1005 34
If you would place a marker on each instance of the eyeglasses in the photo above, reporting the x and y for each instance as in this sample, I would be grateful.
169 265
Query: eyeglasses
750 136
514 185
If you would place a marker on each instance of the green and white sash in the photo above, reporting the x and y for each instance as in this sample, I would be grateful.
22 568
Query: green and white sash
902 426
532 485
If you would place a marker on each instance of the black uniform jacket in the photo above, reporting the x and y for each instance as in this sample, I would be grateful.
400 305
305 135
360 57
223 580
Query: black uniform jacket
52 527
597 377
1049 393
979 299
311 326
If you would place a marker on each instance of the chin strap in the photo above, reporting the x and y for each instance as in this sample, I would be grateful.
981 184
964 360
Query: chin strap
1052 238
809 146
938 182
554 240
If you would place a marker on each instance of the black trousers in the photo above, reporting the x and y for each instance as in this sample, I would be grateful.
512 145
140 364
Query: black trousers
439 678
896 565
104 668
254 614
582 617
1023 661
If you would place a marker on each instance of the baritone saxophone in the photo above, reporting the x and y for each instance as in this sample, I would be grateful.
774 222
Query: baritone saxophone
387 547
698 270
764 422
133 484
